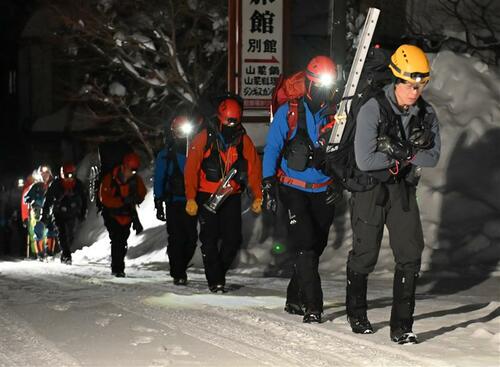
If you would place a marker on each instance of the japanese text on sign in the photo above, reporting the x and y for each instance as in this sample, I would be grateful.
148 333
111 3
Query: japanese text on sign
261 50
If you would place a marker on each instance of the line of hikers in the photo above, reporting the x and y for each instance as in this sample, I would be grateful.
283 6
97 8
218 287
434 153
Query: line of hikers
206 164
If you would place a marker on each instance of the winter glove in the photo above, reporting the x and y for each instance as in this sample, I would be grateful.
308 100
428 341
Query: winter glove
191 207
399 150
269 195
421 138
257 206
334 194
137 225
160 211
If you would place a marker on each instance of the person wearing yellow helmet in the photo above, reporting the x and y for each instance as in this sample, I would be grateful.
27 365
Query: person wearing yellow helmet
411 68
397 132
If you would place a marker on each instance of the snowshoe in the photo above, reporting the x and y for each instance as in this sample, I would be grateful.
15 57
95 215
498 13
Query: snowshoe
403 337
360 325
118 274
180 281
217 288
312 317
294 309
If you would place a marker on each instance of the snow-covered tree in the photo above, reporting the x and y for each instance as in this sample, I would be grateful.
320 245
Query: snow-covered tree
462 26
139 59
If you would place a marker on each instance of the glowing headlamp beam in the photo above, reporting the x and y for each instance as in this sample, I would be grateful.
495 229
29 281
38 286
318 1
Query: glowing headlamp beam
186 128
326 80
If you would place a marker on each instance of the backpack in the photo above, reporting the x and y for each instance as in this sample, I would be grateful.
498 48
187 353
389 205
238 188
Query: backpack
174 185
292 90
110 155
211 164
341 164
289 90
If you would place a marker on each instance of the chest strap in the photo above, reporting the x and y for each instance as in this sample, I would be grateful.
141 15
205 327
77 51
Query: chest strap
299 183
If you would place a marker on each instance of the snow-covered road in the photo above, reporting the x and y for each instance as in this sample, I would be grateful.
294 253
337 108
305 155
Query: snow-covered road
55 315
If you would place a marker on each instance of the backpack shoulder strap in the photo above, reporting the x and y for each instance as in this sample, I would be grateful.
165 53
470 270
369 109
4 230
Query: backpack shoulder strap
211 138
292 116
386 112
384 104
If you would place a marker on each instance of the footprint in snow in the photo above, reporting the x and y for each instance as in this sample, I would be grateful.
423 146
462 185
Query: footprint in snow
177 350
102 322
61 307
141 340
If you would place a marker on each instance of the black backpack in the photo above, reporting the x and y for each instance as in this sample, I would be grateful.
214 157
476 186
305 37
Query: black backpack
341 164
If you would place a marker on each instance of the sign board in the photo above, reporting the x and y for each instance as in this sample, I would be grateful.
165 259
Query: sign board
258 56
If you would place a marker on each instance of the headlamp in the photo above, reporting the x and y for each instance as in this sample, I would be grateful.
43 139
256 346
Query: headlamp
45 169
20 182
134 171
326 80
70 175
186 128
231 121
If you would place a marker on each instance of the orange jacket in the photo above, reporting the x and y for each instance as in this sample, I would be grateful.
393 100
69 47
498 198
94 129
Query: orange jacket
195 179
113 193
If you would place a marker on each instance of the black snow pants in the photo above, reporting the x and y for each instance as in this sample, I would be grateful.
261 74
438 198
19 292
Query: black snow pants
182 236
66 228
220 236
118 234
370 211
309 221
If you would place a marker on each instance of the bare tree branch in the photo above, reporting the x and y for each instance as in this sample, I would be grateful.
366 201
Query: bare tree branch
145 56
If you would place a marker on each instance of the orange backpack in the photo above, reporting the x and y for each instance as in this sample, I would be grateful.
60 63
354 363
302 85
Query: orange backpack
289 90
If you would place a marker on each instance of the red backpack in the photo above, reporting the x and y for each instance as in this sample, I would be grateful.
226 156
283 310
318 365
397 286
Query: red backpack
289 90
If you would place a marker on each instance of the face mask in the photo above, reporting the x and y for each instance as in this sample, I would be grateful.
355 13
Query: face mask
316 97
180 144
231 133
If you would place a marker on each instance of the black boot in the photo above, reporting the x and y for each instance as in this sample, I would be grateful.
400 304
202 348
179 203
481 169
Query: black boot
356 304
403 306
180 281
294 309
217 288
312 317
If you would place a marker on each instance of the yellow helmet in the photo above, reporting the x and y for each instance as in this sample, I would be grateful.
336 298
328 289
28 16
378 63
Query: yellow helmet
410 63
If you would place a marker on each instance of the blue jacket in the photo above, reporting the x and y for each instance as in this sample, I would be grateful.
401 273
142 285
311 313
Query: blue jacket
276 139
164 169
